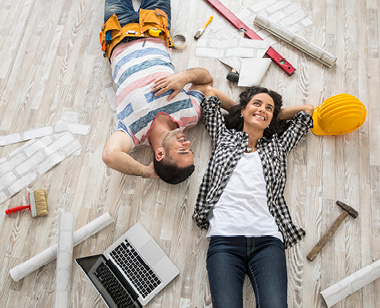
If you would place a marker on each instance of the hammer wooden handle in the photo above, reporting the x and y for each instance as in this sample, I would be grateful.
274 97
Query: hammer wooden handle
322 242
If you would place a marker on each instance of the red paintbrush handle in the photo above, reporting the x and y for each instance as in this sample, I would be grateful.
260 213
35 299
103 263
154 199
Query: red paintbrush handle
16 209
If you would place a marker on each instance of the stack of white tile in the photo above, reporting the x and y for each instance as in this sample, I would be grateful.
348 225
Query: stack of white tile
47 146
285 13
24 165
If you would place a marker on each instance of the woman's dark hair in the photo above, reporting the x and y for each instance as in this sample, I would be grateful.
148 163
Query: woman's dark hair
234 120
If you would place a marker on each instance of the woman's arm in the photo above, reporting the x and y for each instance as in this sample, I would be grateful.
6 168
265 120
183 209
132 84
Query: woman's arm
299 126
288 113
212 117
227 102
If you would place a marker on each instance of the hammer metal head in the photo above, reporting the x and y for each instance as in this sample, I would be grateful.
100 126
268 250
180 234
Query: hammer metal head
348 208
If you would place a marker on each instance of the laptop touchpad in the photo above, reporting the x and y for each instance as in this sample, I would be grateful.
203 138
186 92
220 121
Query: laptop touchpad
151 252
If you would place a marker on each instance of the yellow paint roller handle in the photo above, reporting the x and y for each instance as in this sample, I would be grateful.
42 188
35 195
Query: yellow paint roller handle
208 22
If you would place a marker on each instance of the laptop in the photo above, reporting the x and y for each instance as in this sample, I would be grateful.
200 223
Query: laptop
131 271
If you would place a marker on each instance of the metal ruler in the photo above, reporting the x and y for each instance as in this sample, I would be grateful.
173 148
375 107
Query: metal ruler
237 23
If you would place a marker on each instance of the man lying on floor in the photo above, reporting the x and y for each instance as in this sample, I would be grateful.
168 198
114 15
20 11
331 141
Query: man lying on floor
153 108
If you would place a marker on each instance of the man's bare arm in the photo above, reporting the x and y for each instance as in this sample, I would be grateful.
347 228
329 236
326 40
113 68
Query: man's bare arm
200 78
115 155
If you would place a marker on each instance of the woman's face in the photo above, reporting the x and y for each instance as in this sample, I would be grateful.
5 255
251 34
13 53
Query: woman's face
259 111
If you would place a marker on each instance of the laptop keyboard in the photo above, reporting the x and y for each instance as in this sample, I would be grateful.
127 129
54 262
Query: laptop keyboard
115 289
144 279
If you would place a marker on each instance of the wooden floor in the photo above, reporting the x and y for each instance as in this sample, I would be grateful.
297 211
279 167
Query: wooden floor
51 64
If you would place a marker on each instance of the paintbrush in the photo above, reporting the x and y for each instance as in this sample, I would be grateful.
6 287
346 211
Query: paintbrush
37 204
201 30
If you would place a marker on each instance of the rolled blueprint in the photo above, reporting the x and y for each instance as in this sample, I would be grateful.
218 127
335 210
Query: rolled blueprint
22 270
64 260
293 39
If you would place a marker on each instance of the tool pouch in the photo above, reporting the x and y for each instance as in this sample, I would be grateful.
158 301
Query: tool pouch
152 23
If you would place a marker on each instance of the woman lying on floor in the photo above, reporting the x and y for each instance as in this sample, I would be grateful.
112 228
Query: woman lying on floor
241 198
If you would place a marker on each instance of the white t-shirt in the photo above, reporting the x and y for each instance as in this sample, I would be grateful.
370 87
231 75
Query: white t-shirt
242 209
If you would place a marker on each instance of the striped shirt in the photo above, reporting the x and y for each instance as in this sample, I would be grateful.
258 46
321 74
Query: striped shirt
135 67
229 147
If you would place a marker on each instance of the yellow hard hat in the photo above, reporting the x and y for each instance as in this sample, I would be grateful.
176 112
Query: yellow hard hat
338 115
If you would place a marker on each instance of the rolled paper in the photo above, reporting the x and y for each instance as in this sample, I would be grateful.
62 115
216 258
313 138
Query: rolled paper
22 270
64 260
351 284
297 41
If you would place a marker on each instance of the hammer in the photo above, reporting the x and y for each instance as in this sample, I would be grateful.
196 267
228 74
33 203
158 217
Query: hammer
322 242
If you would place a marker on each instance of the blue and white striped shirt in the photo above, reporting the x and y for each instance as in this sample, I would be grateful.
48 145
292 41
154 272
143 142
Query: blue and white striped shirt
135 67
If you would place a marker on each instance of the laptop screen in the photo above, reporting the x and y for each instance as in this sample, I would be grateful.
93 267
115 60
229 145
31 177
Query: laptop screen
133 267
107 282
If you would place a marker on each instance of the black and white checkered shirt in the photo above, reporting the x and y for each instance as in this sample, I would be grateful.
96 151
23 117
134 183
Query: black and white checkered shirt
228 148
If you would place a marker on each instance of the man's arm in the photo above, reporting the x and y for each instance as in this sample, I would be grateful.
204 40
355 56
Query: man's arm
288 113
115 155
200 78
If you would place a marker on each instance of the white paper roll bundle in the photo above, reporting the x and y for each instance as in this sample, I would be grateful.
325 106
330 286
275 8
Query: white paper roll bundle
64 260
293 39
22 270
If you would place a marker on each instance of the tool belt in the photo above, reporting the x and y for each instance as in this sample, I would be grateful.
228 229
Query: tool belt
152 23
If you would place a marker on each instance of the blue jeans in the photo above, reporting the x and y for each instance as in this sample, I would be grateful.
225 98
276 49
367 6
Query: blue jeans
126 14
229 259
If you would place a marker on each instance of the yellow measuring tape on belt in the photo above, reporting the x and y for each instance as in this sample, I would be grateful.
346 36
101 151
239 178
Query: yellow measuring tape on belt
152 23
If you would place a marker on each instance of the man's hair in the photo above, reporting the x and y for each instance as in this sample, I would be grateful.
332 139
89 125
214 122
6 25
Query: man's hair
169 172
234 120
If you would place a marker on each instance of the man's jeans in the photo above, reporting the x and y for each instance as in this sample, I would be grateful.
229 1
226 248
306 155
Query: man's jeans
262 258
126 14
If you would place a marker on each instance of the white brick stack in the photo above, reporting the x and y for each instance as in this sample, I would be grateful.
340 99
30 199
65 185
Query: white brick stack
285 13
24 165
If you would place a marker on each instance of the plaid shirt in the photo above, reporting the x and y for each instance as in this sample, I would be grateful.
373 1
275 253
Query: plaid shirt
229 146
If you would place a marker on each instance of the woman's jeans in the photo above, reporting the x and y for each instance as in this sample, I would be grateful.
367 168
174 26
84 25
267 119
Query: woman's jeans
126 14
262 258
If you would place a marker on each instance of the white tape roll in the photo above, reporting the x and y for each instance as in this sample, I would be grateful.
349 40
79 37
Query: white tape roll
179 41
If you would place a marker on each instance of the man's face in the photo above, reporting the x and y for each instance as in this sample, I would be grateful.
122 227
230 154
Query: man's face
177 147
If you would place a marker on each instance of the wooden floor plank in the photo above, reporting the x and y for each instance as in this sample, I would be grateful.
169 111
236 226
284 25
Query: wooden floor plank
52 64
